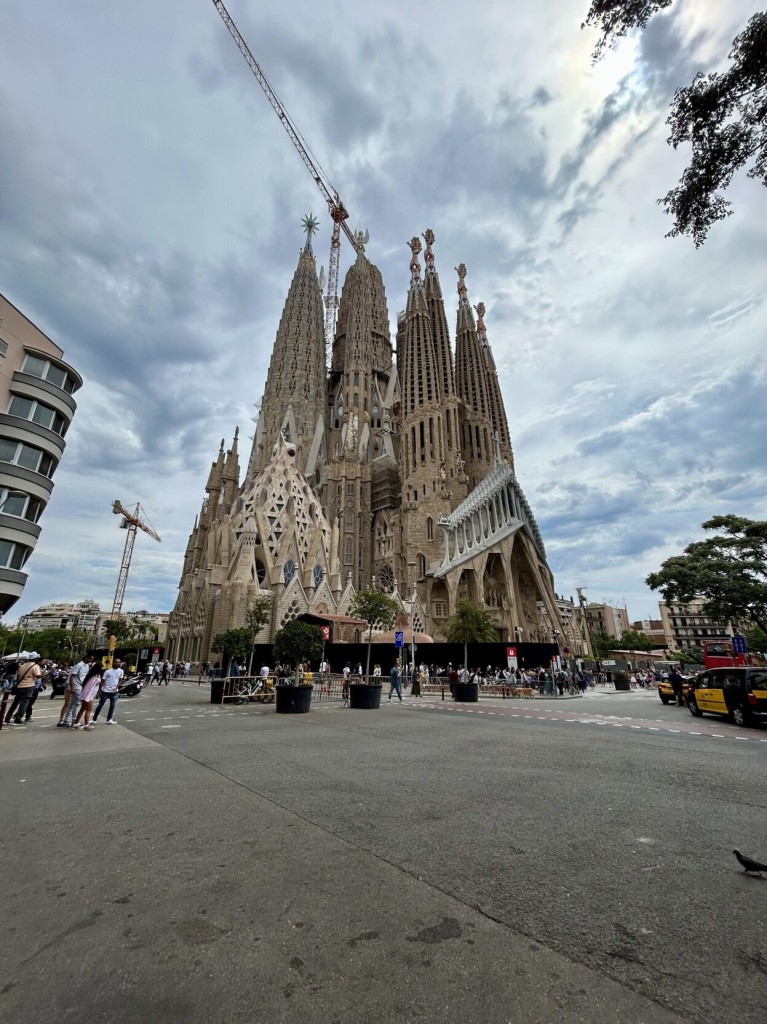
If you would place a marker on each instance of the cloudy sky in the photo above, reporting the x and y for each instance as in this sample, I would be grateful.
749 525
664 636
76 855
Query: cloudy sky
150 207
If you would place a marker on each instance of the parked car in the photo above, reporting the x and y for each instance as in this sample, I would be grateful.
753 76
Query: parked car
738 692
666 689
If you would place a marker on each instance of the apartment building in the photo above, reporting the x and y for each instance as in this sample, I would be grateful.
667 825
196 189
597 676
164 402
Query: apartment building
687 626
36 410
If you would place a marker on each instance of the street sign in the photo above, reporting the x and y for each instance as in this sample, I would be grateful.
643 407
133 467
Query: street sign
739 645
325 632
511 652
399 638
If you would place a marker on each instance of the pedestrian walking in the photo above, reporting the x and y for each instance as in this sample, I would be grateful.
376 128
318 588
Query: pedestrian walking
29 673
394 683
110 681
87 696
72 694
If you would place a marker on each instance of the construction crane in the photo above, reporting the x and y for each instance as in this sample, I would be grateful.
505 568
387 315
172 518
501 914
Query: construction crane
132 522
338 212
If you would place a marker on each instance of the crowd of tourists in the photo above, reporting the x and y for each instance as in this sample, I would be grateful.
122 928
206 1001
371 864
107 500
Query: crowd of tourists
88 688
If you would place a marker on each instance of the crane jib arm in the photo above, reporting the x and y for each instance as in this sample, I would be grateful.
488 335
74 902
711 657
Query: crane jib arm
336 208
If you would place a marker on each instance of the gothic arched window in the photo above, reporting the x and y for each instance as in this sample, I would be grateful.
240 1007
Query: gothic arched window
349 551
319 574
288 571
429 528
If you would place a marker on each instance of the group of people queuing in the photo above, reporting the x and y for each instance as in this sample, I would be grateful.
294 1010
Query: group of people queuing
88 688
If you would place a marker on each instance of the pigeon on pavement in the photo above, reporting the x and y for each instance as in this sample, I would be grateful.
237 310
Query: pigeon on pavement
749 865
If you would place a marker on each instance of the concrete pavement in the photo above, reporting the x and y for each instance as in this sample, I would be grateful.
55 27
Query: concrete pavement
229 864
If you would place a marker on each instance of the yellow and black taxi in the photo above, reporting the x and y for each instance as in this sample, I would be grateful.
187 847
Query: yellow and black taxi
666 690
739 693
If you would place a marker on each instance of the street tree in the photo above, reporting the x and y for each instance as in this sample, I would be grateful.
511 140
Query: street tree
233 643
728 572
603 642
470 625
723 115
297 642
131 631
257 617
631 640
376 609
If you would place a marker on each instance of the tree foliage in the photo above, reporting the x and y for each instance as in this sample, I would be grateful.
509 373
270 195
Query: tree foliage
258 615
233 643
470 624
723 115
375 608
631 640
297 641
129 632
603 642
728 572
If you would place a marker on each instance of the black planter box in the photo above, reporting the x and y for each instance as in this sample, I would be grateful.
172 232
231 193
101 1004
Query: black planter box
217 690
466 693
365 697
294 700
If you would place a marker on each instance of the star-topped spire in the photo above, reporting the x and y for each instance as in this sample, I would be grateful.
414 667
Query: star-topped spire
310 225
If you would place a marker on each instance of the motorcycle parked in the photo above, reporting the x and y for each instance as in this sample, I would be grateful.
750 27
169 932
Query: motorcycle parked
131 686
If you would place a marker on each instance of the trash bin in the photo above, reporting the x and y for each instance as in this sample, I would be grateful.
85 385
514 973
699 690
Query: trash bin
217 690
621 681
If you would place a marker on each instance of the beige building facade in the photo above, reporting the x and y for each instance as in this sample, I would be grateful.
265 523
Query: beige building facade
36 409
390 472
686 626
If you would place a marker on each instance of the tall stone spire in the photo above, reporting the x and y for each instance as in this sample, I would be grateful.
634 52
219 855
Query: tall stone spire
359 394
424 455
453 468
294 396
477 444
497 409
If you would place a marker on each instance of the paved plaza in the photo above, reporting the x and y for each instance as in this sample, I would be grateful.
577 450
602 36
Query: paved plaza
525 861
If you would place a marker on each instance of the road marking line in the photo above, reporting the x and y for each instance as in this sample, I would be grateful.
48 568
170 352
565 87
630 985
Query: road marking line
675 730
694 733
170 726
717 735
654 728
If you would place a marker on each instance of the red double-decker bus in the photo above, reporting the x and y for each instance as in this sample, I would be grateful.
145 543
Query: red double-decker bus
720 654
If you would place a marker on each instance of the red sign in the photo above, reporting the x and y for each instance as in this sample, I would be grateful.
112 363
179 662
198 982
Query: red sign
511 652
325 632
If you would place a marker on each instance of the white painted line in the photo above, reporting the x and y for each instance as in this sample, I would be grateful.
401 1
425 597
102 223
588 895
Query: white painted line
654 728
717 736
170 726
745 739
675 730
635 727
693 733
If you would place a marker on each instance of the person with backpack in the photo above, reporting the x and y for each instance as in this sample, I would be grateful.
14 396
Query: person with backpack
28 678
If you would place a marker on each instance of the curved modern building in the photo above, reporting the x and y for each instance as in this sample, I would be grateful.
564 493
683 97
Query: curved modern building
36 409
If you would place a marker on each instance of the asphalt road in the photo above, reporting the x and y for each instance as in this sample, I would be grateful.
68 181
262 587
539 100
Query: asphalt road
526 861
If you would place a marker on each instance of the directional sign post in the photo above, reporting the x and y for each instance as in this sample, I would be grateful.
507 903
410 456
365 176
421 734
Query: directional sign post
399 638
739 645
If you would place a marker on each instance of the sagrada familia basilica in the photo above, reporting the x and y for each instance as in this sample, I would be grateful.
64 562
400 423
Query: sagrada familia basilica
397 474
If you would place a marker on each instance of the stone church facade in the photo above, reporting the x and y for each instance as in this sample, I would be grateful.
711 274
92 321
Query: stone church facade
396 473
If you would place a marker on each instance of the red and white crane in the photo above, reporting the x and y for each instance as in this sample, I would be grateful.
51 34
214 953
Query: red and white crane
338 212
